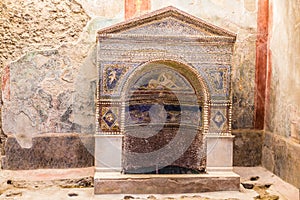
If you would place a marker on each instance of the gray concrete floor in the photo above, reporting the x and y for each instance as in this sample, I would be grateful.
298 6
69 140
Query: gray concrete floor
57 184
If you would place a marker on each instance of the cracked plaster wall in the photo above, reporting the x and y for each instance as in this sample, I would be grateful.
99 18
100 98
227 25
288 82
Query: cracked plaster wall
51 88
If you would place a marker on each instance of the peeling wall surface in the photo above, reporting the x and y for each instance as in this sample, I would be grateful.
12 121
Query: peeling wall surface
49 63
282 124
52 46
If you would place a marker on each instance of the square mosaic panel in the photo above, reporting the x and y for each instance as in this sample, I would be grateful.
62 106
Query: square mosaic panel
109 118
218 120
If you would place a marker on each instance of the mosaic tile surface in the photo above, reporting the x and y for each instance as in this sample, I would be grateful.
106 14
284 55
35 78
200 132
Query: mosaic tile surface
168 36
109 118
218 78
112 75
219 120
168 26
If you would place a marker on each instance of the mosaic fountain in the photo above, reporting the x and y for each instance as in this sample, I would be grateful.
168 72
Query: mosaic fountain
164 106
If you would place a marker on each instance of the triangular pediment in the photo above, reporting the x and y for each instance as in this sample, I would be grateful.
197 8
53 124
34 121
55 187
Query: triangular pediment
168 21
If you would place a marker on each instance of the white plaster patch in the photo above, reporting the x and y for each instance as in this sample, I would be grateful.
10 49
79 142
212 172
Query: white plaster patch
24 130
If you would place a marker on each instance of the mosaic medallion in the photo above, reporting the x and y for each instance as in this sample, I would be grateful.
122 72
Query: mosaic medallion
109 121
219 119
109 118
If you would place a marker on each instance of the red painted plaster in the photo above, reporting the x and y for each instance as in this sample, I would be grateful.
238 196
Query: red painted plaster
134 8
261 63
269 67
5 83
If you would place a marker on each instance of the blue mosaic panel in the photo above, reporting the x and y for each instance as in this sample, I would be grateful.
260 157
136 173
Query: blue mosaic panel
113 76
148 113
218 120
109 118
218 79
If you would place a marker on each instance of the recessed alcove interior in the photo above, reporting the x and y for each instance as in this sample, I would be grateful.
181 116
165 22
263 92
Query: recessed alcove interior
163 130
163 104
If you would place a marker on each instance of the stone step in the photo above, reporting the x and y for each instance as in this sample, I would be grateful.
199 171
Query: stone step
117 183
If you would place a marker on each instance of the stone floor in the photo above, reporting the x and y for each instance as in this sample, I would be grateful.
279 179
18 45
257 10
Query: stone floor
78 184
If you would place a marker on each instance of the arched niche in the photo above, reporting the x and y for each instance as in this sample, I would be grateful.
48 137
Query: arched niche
164 117
153 69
